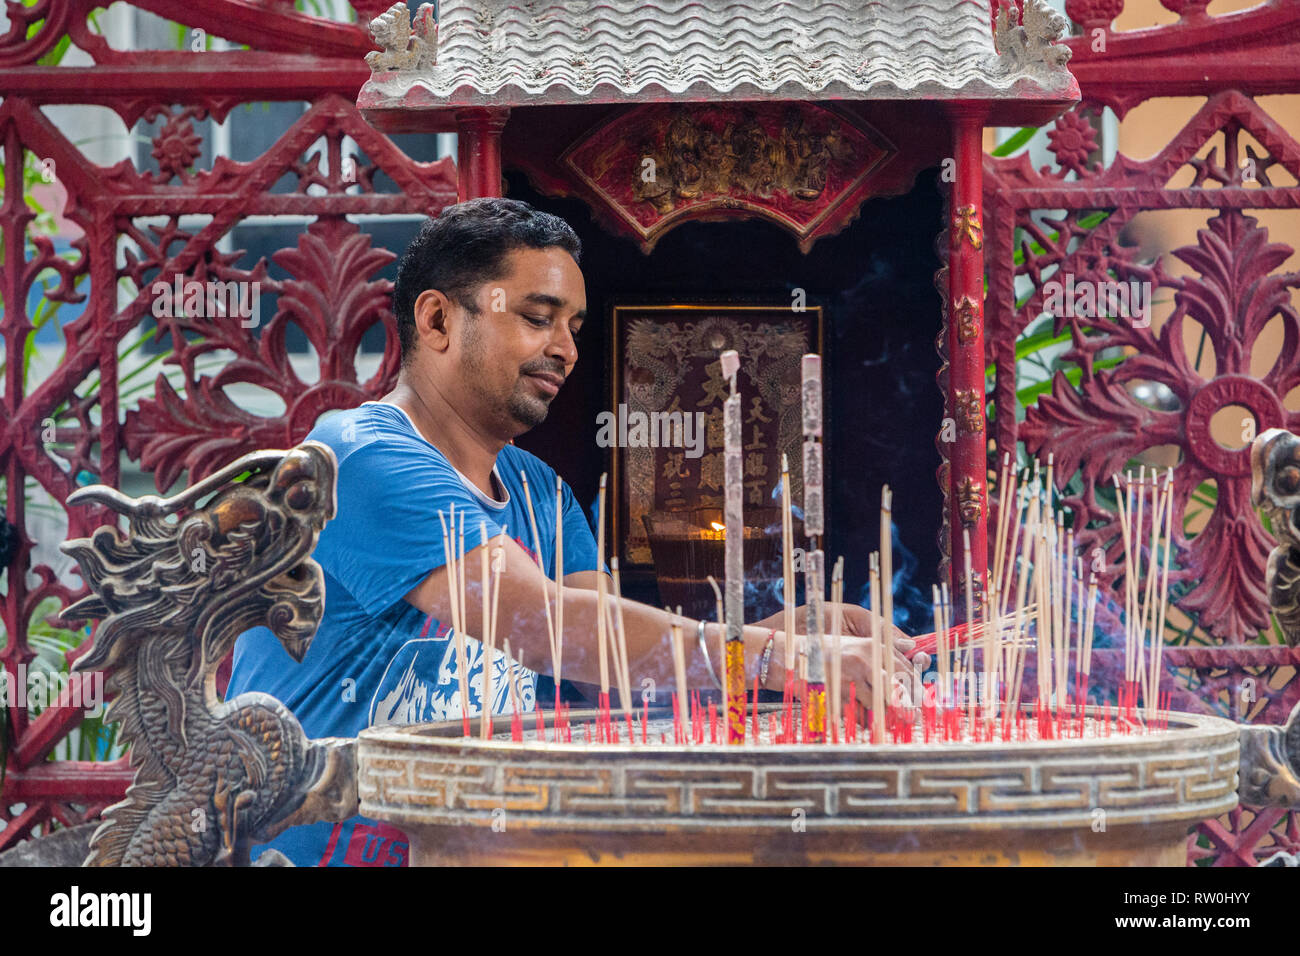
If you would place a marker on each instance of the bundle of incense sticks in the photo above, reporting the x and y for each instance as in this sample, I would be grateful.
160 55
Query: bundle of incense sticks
1038 601
493 565
1144 612
456 594
787 581
1035 600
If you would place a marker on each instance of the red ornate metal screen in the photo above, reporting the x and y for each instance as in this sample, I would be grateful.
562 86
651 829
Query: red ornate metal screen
326 283
331 293
1073 221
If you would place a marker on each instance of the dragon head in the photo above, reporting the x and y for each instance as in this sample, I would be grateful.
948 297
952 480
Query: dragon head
229 553
1275 482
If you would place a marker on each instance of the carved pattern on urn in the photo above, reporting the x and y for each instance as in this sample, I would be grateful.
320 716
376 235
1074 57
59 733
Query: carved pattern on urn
420 776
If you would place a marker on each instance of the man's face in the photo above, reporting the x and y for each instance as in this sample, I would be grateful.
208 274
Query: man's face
519 349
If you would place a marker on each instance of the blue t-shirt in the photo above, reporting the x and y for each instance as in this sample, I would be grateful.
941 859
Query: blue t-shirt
375 658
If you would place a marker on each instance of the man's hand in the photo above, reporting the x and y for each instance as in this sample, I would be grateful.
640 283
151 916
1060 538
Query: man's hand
855 652
857 623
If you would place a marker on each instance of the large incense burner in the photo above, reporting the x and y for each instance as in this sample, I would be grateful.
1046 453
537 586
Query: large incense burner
1117 800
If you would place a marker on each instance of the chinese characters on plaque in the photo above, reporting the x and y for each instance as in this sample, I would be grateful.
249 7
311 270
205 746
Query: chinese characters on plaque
666 363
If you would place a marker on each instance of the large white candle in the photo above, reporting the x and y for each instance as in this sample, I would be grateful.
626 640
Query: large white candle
813 511
734 513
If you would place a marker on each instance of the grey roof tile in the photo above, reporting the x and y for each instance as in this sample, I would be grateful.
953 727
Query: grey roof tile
517 52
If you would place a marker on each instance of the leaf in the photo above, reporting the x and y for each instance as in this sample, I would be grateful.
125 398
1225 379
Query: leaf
1027 396
1015 141
56 54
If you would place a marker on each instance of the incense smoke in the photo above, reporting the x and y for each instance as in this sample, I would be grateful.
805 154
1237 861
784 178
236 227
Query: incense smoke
912 609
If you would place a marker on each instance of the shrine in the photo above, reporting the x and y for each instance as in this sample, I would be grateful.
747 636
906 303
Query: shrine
929 534
793 117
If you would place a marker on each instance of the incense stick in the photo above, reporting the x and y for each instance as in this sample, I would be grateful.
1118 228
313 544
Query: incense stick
940 630
1157 657
514 690
455 595
546 598
601 636
887 583
837 657
498 568
625 679
787 562
878 675
999 547
1121 503
559 581
679 669
1139 604
462 651
485 712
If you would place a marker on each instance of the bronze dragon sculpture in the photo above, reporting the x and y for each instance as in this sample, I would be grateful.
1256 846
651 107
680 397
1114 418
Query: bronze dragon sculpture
212 778
1270 755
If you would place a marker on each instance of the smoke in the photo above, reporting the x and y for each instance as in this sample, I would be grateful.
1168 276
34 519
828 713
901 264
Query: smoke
912 608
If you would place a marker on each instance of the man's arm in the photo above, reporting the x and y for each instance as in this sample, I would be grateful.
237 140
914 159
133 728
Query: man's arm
522 618
587 580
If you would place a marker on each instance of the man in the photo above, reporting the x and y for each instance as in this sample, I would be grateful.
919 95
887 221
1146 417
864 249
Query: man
489 303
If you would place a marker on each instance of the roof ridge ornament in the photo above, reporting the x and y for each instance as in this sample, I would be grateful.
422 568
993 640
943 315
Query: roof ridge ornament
1031 47
404 47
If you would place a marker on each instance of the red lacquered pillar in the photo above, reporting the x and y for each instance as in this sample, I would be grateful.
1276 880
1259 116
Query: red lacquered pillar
478 155
968 469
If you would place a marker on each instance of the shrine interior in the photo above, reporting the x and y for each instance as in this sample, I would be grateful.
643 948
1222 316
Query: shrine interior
875 283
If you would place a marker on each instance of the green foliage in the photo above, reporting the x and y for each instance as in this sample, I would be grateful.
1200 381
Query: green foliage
92 740
1016 140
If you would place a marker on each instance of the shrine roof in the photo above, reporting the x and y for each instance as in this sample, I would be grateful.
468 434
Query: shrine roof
507 53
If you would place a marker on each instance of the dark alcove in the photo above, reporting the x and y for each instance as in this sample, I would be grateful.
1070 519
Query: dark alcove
875 281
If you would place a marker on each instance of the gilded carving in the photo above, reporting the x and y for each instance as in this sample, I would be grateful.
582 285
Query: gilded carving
970 500
966 315
967 226
695 160
970 411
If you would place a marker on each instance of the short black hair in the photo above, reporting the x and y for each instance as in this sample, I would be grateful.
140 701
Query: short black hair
467 245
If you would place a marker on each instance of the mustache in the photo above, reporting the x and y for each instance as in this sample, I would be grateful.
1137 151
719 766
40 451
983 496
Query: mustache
543 367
